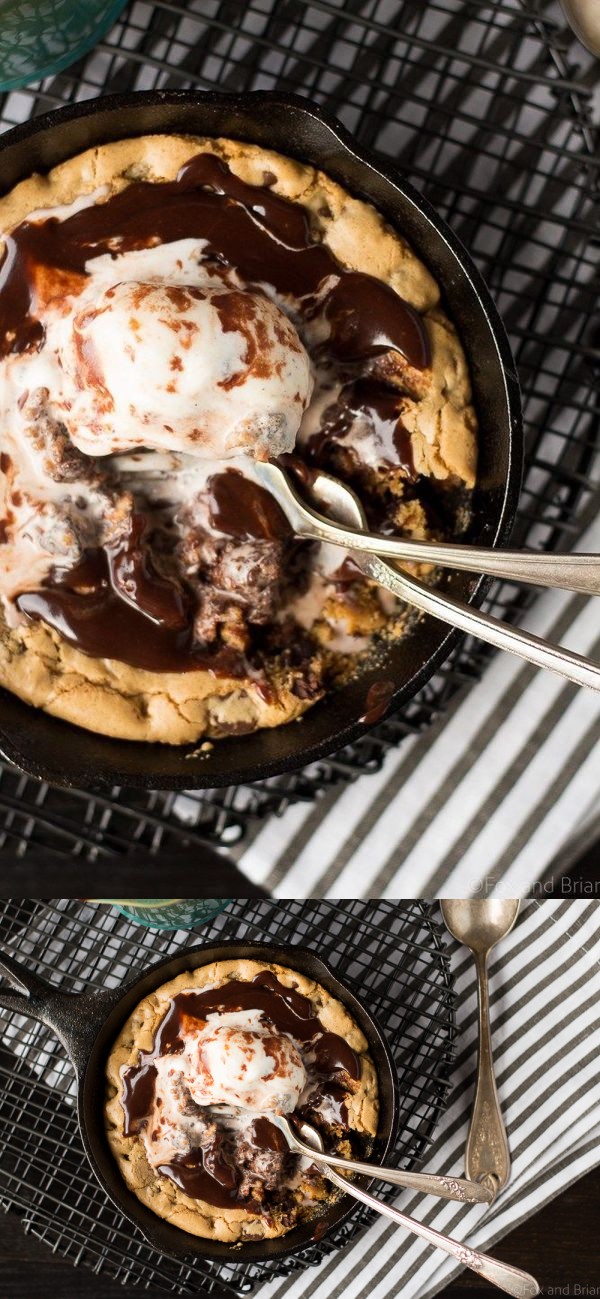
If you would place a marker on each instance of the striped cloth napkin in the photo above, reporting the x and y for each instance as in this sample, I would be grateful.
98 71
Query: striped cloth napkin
545 1003
483 801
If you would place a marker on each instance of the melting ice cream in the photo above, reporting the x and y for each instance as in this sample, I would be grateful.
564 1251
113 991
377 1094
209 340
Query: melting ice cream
210 371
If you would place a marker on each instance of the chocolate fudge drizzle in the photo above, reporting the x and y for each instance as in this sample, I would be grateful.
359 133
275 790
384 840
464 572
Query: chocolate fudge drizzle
147 627
208 1173
115 604
265 237
378 408
245 510
143 618
5 523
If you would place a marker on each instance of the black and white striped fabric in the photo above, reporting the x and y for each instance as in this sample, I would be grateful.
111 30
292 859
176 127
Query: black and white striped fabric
482 802
545 999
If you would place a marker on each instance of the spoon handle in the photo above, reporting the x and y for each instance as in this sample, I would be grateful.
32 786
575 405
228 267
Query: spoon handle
487 1157
507 1278
445 1188
580 572
574 667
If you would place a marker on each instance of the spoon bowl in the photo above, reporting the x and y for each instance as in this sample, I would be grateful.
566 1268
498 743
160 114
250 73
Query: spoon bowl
479 923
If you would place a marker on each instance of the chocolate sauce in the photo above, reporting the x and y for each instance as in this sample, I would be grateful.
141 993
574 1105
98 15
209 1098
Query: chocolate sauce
267 1136
205 1174
365 322
133 577
381 428
138 1097
245 510
114 604
88 612
287 1010
332 1054
303 472
265 237
334 1094
209 1173
377 701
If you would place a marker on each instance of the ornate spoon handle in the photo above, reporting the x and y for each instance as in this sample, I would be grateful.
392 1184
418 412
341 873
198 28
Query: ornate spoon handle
487 1157
574 667
507 1278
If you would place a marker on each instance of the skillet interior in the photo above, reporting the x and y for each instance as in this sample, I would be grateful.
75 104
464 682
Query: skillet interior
65 754
163 1236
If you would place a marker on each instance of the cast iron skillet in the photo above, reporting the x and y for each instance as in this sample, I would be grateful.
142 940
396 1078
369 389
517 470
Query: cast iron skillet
68 755
88 1024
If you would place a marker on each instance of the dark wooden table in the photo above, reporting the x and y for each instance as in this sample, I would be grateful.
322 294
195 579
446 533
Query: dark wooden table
560 1246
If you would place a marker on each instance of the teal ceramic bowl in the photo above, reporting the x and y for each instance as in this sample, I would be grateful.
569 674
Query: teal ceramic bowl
41 37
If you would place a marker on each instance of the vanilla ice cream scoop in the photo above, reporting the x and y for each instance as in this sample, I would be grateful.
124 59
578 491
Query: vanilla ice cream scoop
211 371
254 1069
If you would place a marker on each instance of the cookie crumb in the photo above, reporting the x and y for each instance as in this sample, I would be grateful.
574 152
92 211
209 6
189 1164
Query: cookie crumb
202 751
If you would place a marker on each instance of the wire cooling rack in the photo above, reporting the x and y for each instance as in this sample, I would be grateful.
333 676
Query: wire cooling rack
485 107
390 953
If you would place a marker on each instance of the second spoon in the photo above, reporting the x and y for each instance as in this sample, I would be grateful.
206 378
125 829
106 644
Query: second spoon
446 1188
510 1279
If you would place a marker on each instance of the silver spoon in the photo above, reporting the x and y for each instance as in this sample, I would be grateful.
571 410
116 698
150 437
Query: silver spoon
507 1278
480 923
447 1188
345 507
579 572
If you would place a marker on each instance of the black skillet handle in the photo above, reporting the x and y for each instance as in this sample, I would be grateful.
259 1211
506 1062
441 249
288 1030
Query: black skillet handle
75 1018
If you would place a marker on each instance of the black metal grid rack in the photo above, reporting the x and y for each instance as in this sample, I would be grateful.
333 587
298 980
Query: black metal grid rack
485 105
390 953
